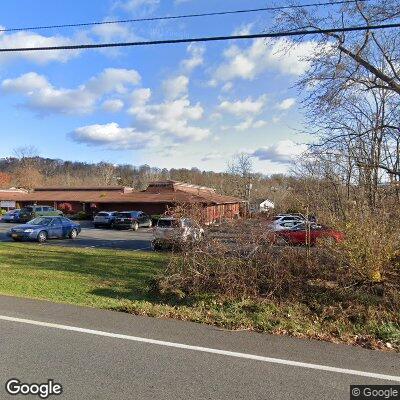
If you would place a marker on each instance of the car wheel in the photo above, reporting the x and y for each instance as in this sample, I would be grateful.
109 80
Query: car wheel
42 237
96 226
73 234
135 226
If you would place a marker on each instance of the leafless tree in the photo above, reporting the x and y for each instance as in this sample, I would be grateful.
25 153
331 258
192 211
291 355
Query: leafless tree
351 96
240 169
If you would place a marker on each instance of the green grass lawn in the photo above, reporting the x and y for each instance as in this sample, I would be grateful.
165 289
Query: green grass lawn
98 278
122 280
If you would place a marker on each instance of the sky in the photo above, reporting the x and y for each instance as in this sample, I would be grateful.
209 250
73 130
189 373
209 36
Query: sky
170 106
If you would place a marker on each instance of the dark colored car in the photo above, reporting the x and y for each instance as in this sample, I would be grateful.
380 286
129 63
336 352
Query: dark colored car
43 228
132 220
12 216
303 234
104 218
30 212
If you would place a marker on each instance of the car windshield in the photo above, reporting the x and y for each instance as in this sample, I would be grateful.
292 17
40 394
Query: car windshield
124 215
299 227
40 221
168 223
27 209
103 214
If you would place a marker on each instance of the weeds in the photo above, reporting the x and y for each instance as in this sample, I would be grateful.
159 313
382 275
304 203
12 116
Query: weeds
332 293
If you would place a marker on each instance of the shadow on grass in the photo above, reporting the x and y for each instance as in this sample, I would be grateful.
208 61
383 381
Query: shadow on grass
129 276
113 274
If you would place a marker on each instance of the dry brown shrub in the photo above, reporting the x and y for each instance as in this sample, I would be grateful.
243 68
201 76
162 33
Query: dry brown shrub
371 246
239 260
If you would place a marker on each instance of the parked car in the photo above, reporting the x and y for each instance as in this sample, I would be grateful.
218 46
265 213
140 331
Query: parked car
104 218
286 221
301 216
30 212
132 220
304 233
12 216
43 228
284 225
170 231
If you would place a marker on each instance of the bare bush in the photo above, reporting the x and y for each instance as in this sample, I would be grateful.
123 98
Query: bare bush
239 260
371 246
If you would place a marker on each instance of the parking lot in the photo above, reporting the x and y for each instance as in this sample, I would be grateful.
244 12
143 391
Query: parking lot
98 238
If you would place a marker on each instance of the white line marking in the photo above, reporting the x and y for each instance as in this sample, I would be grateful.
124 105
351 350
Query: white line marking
204 349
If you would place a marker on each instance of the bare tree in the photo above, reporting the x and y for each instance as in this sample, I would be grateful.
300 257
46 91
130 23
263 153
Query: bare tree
240 169
369 57
26 152
27 174
351 98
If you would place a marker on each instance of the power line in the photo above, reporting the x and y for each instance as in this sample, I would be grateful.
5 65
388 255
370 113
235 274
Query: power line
203 39
162 18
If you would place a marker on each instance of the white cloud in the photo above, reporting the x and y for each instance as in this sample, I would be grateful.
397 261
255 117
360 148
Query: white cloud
212 83
212 156
140 97
284 151
287 103
144 6
42 97
247 63
215 116
30 39
113 79
228 86
243 29
113 105
250 123
176 87
276 119
196 59
245 125
110 32
26 83
113 136
259 123
171 118
243 107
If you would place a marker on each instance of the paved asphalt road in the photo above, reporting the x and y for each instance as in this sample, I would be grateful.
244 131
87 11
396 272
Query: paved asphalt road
99 238
90 365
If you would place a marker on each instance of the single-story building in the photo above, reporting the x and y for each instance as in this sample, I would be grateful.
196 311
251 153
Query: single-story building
9 204
261 205
156 199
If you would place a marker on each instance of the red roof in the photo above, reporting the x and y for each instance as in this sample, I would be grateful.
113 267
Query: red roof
84 189
172 192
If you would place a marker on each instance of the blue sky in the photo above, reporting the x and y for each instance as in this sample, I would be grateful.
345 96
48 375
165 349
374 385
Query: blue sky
166 106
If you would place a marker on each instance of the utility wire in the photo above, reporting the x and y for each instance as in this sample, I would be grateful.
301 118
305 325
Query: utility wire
209 14
203 39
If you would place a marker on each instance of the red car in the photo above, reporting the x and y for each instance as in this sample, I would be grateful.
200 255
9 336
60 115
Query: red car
302 234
